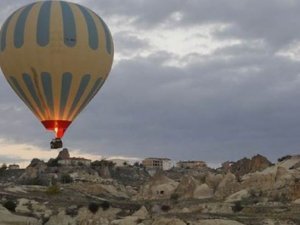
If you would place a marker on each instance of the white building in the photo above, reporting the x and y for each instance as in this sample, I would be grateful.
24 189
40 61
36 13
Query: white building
157 163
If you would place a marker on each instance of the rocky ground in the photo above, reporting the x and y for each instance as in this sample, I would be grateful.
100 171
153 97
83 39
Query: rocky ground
260 193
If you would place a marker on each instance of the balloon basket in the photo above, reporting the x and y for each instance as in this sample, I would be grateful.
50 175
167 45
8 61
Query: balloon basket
56 143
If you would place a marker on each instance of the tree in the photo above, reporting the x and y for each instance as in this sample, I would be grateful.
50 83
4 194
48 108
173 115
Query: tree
93 207
66 179
102 164
138 165
3 167
105 205
10 205
237 207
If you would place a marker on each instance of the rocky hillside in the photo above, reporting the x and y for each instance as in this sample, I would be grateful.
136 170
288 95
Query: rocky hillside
248 192
246 165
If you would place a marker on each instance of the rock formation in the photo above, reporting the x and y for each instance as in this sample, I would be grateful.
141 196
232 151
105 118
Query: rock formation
267 196
7 218
189 187
213 180
227 186
31 174
158 187
63 154
245 165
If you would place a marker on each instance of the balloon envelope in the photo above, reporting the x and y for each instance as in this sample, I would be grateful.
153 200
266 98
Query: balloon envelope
56 56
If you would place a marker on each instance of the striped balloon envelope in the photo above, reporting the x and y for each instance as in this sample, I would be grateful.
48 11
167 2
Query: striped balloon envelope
56 56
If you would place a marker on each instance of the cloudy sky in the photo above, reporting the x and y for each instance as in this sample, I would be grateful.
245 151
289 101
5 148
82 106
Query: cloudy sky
192 79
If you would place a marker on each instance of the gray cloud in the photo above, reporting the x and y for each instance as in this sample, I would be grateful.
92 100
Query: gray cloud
238 101
129 43
274 21
9 160
206 110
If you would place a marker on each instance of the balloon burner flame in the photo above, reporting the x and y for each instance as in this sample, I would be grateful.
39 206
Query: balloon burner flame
58 126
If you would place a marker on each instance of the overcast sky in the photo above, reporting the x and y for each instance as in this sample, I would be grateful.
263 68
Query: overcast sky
192 79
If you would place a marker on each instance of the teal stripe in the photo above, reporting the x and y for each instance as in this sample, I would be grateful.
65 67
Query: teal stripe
92 29
109 45
65 91
31 89
20 26
47 87
4 31
15 85
83 84
98 84
43 24
69 25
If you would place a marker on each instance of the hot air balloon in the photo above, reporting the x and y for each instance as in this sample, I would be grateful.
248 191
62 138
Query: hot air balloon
56 56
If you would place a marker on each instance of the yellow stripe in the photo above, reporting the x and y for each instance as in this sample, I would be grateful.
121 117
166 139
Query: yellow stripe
53 52
82 39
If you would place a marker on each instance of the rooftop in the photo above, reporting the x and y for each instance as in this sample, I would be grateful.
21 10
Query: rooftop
166 159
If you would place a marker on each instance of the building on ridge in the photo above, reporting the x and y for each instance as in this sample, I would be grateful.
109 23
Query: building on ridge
157 163
64 159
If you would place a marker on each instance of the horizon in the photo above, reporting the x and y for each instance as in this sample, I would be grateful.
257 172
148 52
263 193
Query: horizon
77 154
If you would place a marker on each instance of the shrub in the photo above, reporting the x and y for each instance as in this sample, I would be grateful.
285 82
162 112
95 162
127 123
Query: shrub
237 207
45 220
105 205
80 164
66 179
165 208
10 205
102 164
35 181
281 198
139 221
174 196
284 158
72 211
52 162
93 207
3 167
138 165
53 190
